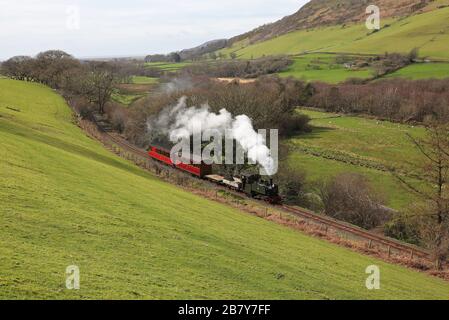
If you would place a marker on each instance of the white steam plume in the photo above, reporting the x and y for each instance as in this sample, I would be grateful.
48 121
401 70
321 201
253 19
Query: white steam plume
181 121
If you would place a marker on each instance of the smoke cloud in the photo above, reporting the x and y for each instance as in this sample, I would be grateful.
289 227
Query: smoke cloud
181 122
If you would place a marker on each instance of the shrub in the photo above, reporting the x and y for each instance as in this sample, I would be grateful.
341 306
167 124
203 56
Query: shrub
350 197
117 115
291 184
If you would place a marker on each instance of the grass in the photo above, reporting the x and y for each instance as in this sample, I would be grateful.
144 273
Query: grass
428 31
352 144
422 71
322 67
67 201
126 99
169 67
128 93
144 80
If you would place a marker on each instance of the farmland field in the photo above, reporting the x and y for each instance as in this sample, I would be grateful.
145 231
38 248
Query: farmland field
139 87
126 99
423 71
340 144
144 80
67 201
322 67
165 66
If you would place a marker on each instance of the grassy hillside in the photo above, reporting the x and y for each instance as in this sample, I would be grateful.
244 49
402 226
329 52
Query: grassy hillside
65 200
428 31
320 13
352 144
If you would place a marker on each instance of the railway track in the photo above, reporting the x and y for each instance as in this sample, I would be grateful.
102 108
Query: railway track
390 246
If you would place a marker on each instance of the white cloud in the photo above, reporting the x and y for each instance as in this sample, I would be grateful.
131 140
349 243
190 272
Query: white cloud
129 28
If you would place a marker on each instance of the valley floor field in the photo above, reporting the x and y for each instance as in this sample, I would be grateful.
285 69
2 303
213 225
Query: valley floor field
322 67
340 143
422 71
67 201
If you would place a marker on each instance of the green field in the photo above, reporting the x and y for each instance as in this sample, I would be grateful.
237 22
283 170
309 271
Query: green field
322 67
144 80
126 99
340 144
168 67
422 71
428 31
67 201
138 88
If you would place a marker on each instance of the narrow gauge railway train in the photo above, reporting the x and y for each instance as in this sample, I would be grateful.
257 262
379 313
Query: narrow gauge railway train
252 185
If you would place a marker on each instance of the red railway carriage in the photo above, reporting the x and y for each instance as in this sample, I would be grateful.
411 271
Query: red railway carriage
162 155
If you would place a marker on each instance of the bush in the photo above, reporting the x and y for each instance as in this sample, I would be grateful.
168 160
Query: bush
117 115
81 106
291 185
402 227
349 197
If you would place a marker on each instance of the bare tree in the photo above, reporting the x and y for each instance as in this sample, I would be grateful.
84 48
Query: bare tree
54 67
98 84
432 213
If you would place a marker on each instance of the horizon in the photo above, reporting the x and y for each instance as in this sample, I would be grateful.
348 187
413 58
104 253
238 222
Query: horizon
112 30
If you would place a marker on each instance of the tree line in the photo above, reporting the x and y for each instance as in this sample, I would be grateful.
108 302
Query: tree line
409 101
239 68
91 82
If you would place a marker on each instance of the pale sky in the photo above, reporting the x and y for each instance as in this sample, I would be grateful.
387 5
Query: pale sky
128 28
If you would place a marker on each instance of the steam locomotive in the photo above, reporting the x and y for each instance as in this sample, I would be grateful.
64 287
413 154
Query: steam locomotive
250 184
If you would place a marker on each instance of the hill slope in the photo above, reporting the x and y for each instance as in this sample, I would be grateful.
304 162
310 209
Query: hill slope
427 31
65 200
319 13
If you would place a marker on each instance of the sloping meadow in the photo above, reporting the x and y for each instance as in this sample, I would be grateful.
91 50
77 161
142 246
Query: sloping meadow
65 201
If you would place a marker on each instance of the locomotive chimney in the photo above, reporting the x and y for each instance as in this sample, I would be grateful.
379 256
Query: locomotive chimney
271 182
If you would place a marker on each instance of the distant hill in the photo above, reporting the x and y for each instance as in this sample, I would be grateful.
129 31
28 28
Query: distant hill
338 26
319 13
189 54
203 49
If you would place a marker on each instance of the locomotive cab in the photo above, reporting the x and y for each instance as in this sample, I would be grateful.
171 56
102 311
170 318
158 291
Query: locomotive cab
256 187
